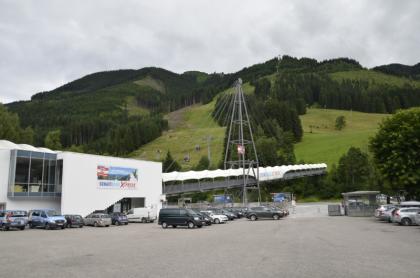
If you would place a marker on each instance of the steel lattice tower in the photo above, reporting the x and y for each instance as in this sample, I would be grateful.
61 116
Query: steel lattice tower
240 147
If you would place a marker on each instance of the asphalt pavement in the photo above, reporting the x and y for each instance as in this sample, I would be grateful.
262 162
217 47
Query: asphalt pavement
292 247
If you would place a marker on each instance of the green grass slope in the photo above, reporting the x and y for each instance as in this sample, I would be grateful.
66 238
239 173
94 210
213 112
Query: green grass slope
325 144
374 77
189 127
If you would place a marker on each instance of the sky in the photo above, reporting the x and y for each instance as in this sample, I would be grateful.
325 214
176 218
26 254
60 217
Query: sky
45 44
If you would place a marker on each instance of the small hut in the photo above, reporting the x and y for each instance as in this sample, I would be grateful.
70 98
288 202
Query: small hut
360 203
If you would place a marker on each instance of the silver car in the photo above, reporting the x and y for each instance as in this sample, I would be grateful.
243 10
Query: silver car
380 211
98 220
406 216
387 214
417 218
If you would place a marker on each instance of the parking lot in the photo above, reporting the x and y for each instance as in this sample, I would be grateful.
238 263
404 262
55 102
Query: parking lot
291 247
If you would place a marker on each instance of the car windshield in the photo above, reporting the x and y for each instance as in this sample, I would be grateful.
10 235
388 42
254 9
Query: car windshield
105 216
19 213
190 211
52 213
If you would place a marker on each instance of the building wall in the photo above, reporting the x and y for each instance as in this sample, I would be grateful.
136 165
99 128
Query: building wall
4 174
22 202
82 195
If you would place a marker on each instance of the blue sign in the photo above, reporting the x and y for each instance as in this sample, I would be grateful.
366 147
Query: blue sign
223 199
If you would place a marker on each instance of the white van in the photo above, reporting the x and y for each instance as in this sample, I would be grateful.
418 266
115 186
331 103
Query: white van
144 215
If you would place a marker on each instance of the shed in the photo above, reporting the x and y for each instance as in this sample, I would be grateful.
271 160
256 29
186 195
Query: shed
360 203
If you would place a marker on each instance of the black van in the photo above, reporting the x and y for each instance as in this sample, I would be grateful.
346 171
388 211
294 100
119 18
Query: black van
179 217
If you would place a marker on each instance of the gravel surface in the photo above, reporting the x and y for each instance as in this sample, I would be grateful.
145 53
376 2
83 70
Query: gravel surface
291 247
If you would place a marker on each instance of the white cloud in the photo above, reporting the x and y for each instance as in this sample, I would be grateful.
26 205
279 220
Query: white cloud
44 44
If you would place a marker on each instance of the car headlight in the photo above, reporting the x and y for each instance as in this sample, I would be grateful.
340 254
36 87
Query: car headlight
196 218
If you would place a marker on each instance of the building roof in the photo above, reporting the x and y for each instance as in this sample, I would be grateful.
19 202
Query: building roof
265 173
358 193
4 144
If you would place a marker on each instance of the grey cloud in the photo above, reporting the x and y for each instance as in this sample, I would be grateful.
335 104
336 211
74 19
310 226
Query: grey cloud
44 44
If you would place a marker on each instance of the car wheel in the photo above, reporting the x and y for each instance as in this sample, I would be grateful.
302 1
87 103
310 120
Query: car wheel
253 217
80 226
217 221
4 227
63 227
276 217
143 220
106 225
95 224
190 225
174 226
200 226
406 221
117 223
165 225
126 223
47 226
22 228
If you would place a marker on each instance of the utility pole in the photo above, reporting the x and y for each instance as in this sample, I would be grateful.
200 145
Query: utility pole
241 141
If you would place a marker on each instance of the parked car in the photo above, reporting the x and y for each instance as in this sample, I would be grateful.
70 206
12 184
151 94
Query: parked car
205 218
387 214
13 219
46 218
406 216
228 214
144 215
118 218
381 210
264 212
74 221
239 213
179 217
216 218
409 204
417 218
98 220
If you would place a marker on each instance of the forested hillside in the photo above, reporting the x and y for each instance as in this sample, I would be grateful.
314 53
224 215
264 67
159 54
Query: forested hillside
116 112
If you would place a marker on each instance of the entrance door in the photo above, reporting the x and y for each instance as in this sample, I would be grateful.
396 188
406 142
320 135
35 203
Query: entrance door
2 206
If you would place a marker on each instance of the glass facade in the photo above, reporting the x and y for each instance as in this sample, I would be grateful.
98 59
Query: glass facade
35 174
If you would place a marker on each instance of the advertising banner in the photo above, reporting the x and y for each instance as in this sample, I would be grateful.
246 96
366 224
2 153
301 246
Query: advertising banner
278 197
222 199
111 177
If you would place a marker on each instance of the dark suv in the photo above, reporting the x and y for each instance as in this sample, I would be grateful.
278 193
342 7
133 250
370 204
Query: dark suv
119 218
179 217
264 212
74 221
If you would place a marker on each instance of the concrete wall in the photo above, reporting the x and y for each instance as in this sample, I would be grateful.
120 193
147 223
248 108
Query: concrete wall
82 195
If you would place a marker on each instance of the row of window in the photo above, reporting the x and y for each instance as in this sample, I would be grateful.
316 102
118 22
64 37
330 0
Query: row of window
36 173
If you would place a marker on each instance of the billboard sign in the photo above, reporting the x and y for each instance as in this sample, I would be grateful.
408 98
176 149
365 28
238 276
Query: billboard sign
222 199
278 197
112 177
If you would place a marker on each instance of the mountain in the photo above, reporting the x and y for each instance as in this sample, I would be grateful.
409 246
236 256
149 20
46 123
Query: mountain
116 112
401 70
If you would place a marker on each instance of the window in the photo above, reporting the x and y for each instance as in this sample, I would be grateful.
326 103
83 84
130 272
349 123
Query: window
22 170
35 213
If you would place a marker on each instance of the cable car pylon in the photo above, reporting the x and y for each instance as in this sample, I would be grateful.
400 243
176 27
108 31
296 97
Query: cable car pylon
240 148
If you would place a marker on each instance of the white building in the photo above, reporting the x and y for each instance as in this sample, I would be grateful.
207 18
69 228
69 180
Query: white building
75 183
